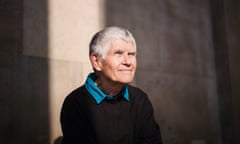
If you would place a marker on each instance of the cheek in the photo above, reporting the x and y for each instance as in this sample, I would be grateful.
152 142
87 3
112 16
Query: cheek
114 63
111 65
134 63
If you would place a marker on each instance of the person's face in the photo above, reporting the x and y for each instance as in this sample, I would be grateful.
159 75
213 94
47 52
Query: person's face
119 64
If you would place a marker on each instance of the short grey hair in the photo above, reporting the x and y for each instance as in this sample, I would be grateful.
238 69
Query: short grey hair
101 40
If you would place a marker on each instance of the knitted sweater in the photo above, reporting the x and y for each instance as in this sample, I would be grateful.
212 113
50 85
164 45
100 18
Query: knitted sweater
114 121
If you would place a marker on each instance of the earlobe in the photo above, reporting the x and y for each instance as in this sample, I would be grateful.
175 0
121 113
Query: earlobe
95 61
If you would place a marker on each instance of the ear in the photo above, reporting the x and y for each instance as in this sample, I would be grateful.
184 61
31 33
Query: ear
96 62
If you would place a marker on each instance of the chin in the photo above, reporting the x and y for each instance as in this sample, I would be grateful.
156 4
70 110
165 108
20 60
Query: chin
126 81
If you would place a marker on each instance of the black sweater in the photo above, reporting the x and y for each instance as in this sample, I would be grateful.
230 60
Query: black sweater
111 122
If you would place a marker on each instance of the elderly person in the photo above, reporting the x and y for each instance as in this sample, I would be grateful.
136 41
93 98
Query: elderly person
106 109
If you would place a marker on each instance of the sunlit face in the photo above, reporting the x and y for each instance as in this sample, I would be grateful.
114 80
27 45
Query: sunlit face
119 64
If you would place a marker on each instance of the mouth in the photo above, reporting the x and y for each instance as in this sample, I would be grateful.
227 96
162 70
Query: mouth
125 70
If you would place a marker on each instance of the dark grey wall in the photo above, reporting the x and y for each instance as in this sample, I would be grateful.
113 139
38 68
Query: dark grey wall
24 80
10 37
226 34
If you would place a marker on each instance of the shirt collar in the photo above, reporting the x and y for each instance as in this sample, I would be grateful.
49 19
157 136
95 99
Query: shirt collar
98 94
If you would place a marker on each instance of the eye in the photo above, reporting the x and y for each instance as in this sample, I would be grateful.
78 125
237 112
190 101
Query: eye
118 52
132 53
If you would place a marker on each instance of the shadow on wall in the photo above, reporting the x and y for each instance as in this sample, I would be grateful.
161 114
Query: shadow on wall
28 106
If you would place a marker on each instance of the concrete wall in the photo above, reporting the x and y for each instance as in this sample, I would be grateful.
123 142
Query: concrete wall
181 64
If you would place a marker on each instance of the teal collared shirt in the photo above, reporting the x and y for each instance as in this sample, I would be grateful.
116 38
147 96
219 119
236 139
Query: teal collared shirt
98 94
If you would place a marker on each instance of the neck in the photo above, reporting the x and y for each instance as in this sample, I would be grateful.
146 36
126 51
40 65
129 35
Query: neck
110 88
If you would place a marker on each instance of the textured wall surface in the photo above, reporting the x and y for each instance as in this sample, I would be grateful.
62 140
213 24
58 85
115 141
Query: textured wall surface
182 64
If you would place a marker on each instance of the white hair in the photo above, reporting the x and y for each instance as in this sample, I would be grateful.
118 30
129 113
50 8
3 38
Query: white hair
101 40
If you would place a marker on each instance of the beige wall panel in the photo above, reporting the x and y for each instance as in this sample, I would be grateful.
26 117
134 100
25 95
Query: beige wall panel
71 26
64 77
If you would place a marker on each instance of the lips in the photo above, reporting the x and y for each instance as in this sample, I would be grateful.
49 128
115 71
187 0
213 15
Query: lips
125 70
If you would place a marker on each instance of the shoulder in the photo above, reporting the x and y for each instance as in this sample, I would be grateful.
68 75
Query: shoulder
75 94
136 94
76 98
76 103
135 90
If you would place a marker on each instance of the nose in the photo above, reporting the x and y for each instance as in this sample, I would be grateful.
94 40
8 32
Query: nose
127 60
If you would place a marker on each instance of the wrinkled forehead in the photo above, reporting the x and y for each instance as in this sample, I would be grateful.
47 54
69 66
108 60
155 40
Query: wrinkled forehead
122 44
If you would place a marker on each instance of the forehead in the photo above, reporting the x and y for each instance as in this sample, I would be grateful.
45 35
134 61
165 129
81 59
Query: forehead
122 44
